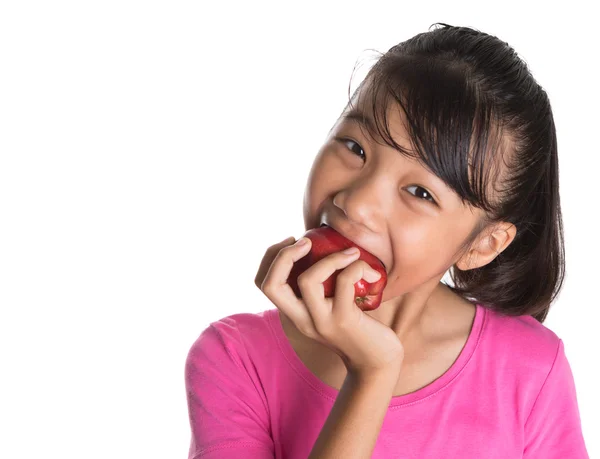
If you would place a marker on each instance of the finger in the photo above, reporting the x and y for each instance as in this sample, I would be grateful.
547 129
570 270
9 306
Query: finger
310 283
268 258
276 288
344 299
281 267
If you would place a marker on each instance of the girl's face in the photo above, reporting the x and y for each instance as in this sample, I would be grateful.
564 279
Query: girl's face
387 203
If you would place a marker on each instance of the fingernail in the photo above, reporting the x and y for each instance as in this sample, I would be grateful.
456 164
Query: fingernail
301 241
372 276
350 251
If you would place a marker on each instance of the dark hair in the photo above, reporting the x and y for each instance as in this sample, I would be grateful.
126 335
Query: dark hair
471 105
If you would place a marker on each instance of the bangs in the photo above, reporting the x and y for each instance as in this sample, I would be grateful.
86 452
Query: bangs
453 130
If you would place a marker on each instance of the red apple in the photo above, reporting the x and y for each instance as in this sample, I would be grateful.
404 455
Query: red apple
325 241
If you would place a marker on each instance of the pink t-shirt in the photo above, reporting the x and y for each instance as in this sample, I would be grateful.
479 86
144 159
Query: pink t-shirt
509 394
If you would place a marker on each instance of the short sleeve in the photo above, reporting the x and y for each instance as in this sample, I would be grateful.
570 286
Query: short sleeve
228 416
553 429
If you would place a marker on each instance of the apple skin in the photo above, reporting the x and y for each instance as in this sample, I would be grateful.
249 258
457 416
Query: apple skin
325 241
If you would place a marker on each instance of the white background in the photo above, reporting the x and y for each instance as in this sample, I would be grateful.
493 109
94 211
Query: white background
151 152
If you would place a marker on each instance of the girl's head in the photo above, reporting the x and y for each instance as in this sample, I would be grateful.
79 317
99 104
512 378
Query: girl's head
445 158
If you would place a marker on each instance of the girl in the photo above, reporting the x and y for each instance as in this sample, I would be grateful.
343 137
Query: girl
445 158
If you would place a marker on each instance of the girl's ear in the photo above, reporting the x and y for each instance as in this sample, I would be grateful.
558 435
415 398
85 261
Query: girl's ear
487 246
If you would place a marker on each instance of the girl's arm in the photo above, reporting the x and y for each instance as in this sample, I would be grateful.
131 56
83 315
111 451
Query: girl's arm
355 420
228 413
553 429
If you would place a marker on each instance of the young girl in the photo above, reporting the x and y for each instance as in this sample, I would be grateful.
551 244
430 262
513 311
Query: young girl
445 159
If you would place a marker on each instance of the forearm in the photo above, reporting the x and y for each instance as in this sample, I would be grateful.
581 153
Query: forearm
355 420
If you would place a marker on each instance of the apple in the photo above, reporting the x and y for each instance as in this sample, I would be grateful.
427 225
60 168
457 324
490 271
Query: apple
325 241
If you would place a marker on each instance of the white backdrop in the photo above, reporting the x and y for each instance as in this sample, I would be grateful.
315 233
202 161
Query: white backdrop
152 150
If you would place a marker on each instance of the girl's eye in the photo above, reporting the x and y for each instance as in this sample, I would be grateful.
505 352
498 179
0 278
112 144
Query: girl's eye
422 192
357 149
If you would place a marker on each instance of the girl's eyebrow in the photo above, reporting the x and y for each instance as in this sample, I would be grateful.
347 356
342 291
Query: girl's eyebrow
364 120
361 118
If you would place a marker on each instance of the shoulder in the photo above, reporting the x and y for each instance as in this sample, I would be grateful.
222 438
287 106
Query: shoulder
237 335
522 332
520 343
245 326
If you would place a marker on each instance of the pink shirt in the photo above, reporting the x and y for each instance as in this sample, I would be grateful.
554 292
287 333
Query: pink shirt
509 394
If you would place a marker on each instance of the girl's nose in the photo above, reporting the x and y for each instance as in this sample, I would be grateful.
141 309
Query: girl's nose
364 201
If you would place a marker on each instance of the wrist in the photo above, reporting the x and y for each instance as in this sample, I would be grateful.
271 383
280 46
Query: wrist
384 377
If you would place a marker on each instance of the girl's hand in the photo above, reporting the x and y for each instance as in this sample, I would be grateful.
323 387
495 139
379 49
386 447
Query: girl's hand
365 345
